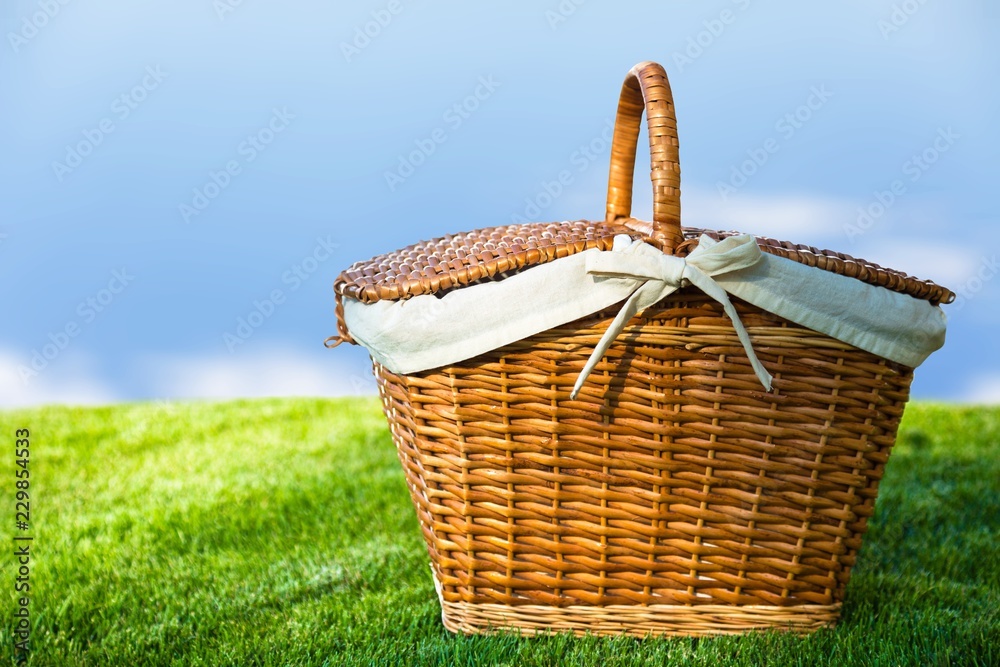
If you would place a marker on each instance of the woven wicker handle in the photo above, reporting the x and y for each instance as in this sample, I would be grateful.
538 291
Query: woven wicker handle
646 87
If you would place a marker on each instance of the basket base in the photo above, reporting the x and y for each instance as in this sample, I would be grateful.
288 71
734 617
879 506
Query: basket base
636 620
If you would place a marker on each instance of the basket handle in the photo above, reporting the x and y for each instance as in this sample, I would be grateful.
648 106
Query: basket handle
646 86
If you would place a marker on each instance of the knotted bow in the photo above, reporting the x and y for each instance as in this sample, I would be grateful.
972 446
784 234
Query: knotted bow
660 275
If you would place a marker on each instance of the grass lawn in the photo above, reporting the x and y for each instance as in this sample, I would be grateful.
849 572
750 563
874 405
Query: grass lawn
279 532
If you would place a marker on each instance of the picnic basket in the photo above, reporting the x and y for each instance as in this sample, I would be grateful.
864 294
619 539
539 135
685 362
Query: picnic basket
670 492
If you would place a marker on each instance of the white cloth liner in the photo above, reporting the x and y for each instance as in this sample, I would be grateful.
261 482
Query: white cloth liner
428 331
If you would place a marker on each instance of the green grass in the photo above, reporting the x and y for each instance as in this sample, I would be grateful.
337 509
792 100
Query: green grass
279 532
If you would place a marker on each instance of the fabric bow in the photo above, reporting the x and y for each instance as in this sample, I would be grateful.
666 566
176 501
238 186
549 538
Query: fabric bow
661 275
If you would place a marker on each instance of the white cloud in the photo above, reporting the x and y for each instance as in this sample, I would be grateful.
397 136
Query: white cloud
798 218
807 219
819 221
257 373
76 379
947 265
70 379
983 389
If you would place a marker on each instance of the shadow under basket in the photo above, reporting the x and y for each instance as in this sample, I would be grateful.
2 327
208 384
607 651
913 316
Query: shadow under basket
673 493
673 496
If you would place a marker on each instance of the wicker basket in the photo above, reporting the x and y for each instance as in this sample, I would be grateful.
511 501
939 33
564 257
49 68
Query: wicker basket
673 495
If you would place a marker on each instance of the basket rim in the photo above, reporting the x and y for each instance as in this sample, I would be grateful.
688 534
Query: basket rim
456 260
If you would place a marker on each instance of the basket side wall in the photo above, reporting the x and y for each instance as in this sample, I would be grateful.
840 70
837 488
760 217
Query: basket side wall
673 478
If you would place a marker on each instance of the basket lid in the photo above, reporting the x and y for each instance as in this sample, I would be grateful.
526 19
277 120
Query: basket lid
456 260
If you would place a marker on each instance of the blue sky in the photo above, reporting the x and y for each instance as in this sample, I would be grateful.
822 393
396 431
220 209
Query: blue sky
183 181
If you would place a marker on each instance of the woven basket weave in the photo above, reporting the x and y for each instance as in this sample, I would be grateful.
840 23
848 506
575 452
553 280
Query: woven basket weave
673 495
